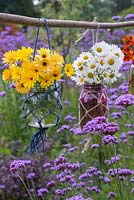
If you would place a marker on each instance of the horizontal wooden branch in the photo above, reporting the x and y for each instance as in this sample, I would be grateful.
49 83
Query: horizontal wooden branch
18 19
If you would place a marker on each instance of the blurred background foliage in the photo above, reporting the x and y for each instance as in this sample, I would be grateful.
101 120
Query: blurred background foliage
12 124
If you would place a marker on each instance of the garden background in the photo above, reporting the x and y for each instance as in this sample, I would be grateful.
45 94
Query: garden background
58 172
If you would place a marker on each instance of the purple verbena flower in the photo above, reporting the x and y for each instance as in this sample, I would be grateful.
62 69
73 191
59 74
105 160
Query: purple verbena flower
31 175
129 17
95 146
18 164
109 139
111 195
2 94
116 17
125 100
41 192
62 128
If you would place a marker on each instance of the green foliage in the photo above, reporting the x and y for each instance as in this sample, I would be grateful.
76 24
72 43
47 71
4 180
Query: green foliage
18 7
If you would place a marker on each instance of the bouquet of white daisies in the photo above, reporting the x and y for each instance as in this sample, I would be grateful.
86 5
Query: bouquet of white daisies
100 65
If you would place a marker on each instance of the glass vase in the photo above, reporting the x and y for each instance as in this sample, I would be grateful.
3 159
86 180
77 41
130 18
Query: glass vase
42 108
92 103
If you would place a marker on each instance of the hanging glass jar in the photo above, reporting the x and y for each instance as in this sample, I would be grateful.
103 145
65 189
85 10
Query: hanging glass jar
92 103
42 108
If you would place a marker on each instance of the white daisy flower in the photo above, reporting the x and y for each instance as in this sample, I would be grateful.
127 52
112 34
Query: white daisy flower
86 56
78 79
112 62
100 48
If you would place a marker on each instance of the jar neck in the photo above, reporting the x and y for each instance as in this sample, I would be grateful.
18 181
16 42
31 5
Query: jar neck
93 86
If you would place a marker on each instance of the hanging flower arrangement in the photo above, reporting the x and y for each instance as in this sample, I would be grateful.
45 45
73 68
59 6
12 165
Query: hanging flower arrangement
36 76
28 73
98 66
128 48
93 69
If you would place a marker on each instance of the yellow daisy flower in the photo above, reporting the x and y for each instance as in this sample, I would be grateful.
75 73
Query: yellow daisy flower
6 74
16 73
24 54
69 70
56 72
9 57
20 87
57 59
44 53
46 80
29 79
45 63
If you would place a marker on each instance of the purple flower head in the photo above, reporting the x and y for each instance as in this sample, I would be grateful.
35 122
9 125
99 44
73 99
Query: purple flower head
132 190
110 128
116 115
19 164
69 118
77 131
66 102
47 165
41 192
115 158
95 146
123 136
111 195
50 183
109 139
59 192
106 180
132 180
12 85
131 133
125 100
31 175
2 94
129 17
2 186
62 128
116 17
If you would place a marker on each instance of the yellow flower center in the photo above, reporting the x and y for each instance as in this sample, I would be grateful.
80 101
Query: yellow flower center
99 49
111 61
90 75
111 75
81 68
102 62
81 80
105 74
85 57
117 54
92 66
79 64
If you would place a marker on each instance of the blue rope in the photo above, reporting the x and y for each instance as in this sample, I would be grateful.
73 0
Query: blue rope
39 138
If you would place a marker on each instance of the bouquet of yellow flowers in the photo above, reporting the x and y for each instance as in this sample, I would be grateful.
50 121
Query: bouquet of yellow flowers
27 72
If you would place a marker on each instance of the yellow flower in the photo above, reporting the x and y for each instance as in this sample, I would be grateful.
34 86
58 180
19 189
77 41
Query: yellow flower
56 73
45 63
57 59
9 57
46 80
29 79
20 87
69 70
6 74
24 54
44 53
16 73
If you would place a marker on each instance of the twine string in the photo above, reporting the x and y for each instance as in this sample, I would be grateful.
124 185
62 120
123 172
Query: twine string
88 112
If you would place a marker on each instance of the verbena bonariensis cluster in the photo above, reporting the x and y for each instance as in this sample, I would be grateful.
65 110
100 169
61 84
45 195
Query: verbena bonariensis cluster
95 164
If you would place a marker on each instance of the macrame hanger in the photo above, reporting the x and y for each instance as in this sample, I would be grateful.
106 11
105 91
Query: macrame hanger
39 137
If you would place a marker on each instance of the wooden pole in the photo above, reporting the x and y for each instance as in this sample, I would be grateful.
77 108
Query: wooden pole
18 19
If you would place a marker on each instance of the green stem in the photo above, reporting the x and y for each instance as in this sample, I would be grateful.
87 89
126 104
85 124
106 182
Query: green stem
26 187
